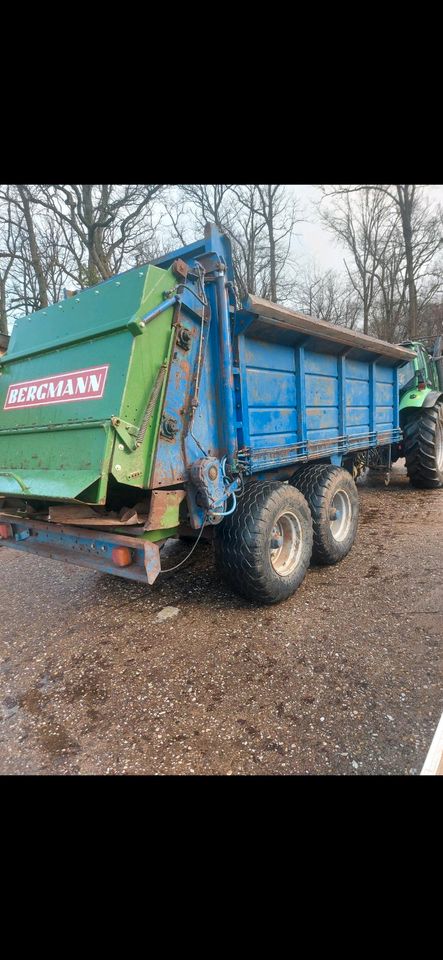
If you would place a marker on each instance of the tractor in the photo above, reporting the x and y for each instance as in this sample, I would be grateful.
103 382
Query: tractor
421 413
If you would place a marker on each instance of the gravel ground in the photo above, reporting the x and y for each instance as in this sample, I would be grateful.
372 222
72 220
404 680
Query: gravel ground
98 676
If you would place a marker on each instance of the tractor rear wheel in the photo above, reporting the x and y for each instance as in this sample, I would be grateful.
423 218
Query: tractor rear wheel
423 447
334 504
264 548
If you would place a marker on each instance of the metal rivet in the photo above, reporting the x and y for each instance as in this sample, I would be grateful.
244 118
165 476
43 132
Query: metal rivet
77 299
117 466
96 292
120 446
117 283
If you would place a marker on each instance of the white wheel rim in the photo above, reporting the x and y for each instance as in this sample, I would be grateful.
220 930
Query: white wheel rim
340 515
439 444
286 544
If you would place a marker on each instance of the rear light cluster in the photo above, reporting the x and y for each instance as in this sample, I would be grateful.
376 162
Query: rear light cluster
5 531
121 557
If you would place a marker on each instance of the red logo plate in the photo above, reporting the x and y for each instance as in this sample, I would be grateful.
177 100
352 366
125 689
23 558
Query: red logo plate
86 384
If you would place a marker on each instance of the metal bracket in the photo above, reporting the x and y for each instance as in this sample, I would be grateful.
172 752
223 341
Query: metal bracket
137 326
180 268
126 431
7 473
169 427
184 337
211 262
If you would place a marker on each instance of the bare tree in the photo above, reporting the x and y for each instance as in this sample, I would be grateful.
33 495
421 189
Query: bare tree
209 201
55 257
25 206
389 307
197 204
364 223
421 231
38 262
326 295
78 234
431 318
20 221
9 241
103 224
422 237
392 316
280 212
260 221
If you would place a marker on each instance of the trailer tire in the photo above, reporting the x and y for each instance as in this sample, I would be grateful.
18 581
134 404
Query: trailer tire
268 512
423 447
329 489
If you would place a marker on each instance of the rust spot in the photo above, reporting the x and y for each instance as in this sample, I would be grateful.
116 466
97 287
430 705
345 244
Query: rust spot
180 268
161 500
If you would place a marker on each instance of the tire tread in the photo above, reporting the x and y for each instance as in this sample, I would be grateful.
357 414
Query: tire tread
419 448
239 548
315 482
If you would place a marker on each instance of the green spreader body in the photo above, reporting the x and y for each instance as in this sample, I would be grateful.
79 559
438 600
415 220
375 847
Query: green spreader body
74 387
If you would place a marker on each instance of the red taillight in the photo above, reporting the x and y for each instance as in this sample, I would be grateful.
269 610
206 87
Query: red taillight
5 531
121 556
421 386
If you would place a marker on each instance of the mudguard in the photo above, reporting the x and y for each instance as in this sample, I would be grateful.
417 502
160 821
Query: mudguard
432 398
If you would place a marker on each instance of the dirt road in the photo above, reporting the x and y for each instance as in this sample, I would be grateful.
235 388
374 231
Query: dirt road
343 678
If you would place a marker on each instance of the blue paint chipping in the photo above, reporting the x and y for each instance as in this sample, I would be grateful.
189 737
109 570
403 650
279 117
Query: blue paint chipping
295 395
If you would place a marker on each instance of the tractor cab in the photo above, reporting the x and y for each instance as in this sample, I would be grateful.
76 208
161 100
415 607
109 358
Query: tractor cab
424 373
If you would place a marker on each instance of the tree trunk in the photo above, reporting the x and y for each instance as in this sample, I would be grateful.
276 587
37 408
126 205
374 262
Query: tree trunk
405 199
33 246
272 246
3 316
365 314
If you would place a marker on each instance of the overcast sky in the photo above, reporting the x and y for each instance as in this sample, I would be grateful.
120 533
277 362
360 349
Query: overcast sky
314 242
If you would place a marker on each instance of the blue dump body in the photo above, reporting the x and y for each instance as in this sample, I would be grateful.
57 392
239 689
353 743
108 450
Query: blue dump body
244 395
310 397
279 388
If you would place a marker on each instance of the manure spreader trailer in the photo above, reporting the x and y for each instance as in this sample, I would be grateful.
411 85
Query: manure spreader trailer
151 406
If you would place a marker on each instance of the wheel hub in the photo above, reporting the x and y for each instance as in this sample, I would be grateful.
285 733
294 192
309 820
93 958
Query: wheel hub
286 544
277 540
340 515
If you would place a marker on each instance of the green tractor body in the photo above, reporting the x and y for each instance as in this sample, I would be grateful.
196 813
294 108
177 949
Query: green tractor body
421 413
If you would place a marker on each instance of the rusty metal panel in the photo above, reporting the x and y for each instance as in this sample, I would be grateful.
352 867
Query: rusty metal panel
164 509
267 313
89 548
